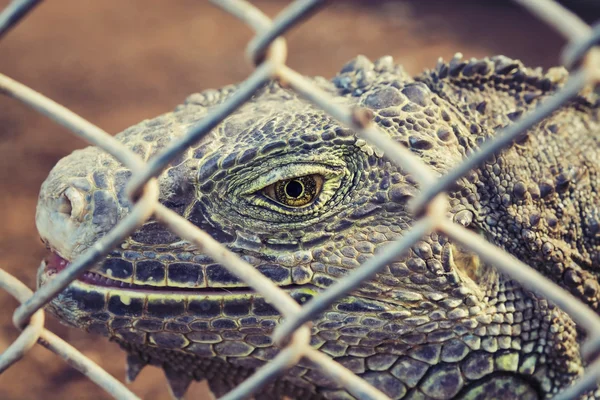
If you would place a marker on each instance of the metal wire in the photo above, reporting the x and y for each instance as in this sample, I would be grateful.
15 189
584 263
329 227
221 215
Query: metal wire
16 10
558 17
52 342
502 140
268 50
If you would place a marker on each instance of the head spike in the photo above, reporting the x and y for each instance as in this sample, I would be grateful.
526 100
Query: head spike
134 365
178 382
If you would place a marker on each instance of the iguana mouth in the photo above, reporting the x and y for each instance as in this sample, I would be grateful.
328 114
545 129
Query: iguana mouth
55 263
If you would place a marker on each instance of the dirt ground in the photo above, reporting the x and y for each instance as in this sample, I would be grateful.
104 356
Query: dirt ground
118 62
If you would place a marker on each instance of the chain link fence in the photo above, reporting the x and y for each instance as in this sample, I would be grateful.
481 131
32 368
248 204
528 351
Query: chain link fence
267 50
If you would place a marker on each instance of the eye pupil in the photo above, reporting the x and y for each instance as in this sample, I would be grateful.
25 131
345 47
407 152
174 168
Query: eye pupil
295 192
294 189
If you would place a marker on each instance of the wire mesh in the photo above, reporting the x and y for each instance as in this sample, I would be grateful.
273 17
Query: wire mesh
268 51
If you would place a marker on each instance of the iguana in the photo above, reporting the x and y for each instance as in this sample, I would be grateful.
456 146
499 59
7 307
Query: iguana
305 201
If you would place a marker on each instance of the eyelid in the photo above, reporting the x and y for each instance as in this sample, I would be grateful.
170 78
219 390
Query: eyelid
288 172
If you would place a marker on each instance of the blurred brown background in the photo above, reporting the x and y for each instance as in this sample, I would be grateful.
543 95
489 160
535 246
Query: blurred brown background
118 62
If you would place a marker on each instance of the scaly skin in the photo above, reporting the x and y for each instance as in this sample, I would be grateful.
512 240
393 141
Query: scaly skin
436 323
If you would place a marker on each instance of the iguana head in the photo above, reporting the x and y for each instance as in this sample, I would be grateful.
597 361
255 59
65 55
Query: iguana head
305 201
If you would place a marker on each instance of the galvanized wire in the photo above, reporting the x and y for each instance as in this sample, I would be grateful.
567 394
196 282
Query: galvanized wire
52 342
268 50
28 338
16 10
558 17
502 140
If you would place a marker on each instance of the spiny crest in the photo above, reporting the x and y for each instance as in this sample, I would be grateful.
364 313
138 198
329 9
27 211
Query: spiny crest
459 69
210 97
178 381
360 74
135 364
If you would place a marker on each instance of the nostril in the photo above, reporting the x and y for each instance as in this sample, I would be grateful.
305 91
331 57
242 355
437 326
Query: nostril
64 205
72 203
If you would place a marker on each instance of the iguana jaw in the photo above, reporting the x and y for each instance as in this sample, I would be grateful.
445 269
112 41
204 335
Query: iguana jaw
54 263
149 315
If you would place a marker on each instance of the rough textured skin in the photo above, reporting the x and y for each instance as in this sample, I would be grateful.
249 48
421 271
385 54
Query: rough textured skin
435 324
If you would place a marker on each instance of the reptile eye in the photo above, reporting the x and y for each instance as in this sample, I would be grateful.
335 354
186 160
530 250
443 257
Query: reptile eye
295 192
